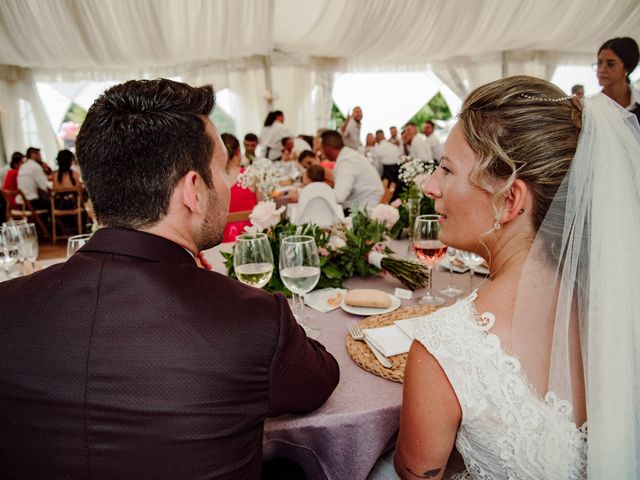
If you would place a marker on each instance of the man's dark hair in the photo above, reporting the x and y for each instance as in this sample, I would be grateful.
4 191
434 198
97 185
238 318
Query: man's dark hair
315 173
31 151
332 138
138 139
285 140
250 137
575 88
431 123
379 132
304 154
16 158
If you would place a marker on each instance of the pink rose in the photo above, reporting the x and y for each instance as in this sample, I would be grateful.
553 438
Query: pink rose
265 215
396 203
385 214
323 252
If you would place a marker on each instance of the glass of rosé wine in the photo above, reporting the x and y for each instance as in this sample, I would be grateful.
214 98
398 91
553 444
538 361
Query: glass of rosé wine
430 251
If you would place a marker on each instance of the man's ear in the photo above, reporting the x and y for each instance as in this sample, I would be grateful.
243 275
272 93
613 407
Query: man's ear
516 201
190 196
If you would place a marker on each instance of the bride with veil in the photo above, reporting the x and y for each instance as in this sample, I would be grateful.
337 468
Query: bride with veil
537 374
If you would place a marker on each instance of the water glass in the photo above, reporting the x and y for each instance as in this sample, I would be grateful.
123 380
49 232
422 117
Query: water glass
9 251
300 271
30 243
472 261
76 242
451 291
429 250
253 259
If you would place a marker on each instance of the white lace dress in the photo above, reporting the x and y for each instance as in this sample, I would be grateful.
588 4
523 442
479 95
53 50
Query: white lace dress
507 430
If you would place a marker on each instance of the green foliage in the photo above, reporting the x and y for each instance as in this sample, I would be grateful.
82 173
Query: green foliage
75 114
337 118
434 109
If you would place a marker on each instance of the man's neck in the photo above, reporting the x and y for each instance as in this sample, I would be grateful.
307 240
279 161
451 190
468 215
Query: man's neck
173 234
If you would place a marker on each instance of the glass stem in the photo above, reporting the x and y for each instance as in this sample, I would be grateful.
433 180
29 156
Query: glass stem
430 281
470 280
451 274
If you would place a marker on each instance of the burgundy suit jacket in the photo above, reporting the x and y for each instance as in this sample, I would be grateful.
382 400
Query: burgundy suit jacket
130 362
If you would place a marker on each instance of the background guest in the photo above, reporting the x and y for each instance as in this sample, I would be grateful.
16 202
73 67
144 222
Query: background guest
578 91
436 148
241 198
33 153
65 176
32 181
307 159
617 59
272 134
11 178
250 144
415 145
350 129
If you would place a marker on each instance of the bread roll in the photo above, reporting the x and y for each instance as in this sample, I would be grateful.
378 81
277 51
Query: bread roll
367 298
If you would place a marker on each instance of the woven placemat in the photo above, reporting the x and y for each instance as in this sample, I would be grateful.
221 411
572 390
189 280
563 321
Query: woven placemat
360 353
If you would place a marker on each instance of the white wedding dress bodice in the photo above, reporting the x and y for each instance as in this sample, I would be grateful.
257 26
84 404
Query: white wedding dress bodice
507 431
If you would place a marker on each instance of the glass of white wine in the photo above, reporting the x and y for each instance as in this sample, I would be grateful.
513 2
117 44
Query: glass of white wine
300 271
253 259
472 261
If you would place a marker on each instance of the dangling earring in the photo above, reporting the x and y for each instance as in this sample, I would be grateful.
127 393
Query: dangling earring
497 226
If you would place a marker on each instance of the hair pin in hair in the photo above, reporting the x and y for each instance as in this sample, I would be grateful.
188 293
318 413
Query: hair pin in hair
547 99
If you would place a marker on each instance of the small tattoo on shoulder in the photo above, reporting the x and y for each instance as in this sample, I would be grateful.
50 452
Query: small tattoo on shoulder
428 474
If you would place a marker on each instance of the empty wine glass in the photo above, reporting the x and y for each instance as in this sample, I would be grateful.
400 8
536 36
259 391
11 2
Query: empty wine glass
76 242
451 291
30 243
472 261
15 235
253 259
300 271
9 251
429 250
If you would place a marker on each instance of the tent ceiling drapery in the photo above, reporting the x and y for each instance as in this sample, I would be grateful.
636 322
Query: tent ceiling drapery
224 41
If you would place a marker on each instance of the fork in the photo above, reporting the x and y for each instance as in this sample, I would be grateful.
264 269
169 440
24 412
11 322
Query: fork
356 334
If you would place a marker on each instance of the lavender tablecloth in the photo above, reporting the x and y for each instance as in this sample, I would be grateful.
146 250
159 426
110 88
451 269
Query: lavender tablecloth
358 423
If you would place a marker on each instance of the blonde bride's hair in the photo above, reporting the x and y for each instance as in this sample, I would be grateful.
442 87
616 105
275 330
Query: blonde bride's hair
521 127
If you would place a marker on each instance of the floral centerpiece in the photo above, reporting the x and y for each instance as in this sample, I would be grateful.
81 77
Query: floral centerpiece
413 174
262 174
355 247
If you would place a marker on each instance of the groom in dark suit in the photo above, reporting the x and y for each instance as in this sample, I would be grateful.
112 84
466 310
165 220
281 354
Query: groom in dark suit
128 361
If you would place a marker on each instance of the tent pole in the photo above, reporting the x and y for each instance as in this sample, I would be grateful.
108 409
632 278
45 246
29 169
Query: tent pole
266 63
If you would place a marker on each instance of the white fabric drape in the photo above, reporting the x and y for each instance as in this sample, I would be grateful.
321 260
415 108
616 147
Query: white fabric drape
17 85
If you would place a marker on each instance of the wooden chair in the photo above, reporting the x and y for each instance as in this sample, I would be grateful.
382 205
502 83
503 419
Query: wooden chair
66 202
389 190
24 209
238 216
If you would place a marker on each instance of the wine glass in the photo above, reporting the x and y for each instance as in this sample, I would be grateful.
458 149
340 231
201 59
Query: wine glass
30 243
429 250
9 251
300 271
471 260
15 235
451 291
253 259
76 242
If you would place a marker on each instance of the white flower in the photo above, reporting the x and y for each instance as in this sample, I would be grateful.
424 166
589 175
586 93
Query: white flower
265 215
336 242
385 214
252 230
261 173
348 222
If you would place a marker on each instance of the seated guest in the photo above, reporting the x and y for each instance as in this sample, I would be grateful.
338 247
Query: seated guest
250 144
357 183
241 198
11 179
288 152
325 214
130 361
65 176
386 154
429 129
32 181
272 134
307 158
33 153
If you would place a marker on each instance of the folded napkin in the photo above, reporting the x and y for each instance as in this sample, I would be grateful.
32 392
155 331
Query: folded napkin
326 299
389 340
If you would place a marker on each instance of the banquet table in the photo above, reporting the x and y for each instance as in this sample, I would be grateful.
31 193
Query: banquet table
359 422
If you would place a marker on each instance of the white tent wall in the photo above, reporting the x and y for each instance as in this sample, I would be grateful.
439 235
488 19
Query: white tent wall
222 42
16 85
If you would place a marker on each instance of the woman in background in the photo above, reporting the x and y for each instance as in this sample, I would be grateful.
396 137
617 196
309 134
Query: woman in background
65 176
617 59
11 179
242 198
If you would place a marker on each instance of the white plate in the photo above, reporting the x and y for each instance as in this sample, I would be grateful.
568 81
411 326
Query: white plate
368 311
